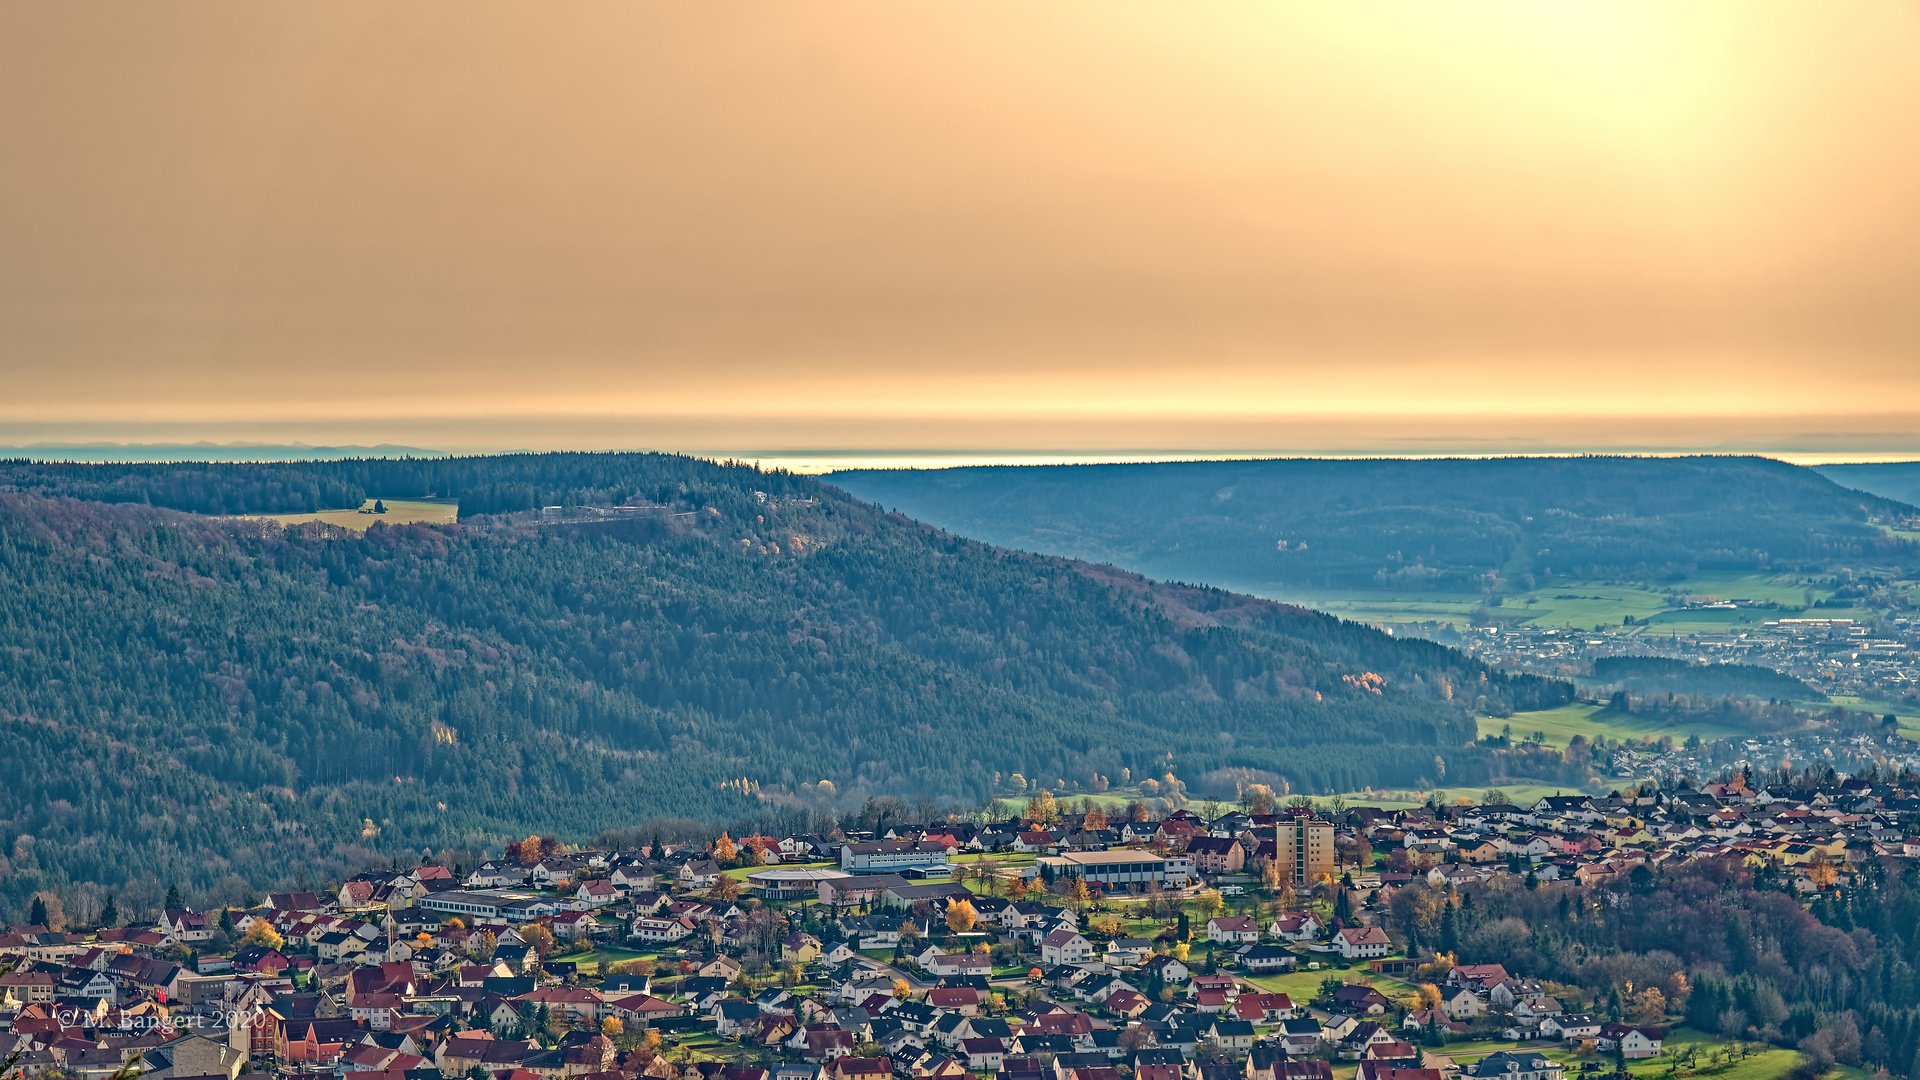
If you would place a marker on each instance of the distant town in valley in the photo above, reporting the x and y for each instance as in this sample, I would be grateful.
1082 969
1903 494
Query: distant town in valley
1299 939
813 790
877 540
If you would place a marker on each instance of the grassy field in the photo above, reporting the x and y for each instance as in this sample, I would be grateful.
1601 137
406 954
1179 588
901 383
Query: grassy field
1909 719
1581 604
741 872
399 512
1562 724
594 961
1520 793
1769 1063
1302 985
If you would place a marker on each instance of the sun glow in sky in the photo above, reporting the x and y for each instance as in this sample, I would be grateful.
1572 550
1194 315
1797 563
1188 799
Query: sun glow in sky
849 223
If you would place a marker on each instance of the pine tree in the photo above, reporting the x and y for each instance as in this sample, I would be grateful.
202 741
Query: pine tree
1739 946
37 914
174 903
1449 931
110 915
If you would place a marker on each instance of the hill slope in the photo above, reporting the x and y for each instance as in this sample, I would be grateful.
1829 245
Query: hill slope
1425 525
194 697
1897 480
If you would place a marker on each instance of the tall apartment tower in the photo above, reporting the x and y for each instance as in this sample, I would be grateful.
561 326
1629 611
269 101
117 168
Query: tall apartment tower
1304 848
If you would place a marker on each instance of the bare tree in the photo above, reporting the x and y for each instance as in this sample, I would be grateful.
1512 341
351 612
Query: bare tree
86 903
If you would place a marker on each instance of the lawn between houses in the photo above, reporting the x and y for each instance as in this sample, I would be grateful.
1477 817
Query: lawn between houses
1764 1063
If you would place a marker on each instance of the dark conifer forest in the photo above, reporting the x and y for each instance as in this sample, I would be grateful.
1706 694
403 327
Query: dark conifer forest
186 697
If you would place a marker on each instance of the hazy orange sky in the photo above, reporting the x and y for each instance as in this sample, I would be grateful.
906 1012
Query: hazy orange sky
847 224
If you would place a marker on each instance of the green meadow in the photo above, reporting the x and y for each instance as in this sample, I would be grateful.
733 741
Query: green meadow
399 512
1562 724
1579 604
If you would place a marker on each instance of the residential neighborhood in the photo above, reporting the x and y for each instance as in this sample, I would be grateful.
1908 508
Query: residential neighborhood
1057 948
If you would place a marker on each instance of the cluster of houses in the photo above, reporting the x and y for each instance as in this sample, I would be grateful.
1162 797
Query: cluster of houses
1471 991
419 973
1815 836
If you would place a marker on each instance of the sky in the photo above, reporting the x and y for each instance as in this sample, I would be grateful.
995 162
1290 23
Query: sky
849 225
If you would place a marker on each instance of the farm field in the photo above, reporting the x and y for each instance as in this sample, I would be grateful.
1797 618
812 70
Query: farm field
399 512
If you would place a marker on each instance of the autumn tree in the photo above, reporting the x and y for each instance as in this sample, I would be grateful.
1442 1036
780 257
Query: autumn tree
261 932
612 1028
1096 819
1429 996
540 937
1044 810
524 852
1258 799
1821 871
1269 875
960 916
723 850
725 888
1137 811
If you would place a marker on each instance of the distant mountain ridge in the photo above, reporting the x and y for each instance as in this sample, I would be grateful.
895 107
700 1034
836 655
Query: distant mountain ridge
1897 480
191 697
204 452
1460 525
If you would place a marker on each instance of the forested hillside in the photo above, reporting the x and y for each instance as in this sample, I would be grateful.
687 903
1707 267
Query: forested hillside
1898 480
1455 525
492 484
189 697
